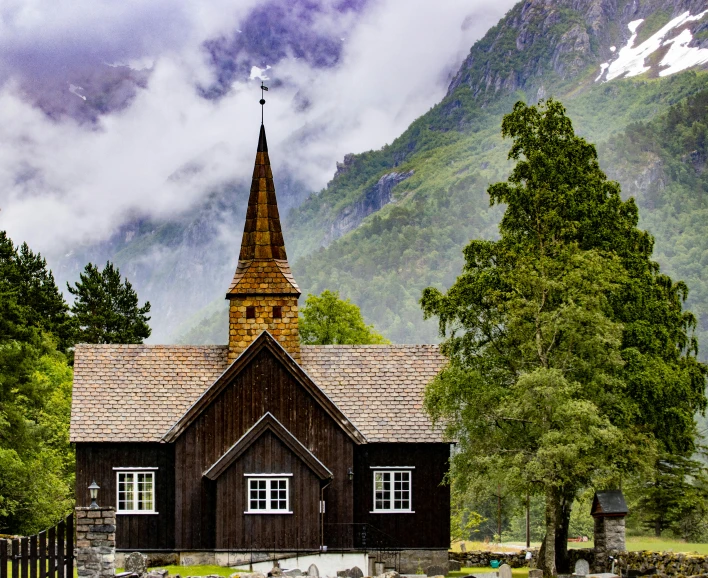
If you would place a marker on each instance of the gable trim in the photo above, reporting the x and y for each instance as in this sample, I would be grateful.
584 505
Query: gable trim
264 341
268 423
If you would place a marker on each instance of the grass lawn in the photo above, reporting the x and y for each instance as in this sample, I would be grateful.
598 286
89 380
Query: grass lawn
194 570
634 543
515 572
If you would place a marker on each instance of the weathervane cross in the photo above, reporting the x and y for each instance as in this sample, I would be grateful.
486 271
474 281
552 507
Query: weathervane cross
262 101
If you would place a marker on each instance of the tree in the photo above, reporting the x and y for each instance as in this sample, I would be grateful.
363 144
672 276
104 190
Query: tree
35 394
328 320
572 361
676 498
106 310
35 292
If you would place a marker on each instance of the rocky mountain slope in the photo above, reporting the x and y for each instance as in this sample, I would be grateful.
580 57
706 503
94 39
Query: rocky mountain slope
393 221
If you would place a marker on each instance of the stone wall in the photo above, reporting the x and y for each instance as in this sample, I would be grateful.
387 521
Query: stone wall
667 563
95 542
481 558
243 331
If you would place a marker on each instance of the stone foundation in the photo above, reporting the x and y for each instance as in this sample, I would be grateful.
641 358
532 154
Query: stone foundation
95 542
417 561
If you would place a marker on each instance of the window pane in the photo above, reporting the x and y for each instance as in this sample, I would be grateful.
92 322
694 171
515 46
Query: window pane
278 495
382 490
257 494
126 498
145 491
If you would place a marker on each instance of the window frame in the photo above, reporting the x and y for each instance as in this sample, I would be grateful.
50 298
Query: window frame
268 478
392 471
134 472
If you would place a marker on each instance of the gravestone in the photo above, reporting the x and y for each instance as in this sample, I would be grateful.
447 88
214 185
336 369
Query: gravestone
535 573
463 547
355 573
454 566
136 563
313 571
294 572
436 571
504 571
582 567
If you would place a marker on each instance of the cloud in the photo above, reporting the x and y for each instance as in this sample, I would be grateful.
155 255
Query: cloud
64 182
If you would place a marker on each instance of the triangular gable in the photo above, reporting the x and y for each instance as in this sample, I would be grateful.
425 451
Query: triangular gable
265 341
268 423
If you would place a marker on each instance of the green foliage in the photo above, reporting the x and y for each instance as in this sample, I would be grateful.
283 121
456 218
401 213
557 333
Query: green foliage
675 499
36 300
106 310
329 320
571 357
35 395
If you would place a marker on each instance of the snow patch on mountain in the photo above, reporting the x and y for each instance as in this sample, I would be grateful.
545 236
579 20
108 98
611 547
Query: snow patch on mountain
73 89
630 59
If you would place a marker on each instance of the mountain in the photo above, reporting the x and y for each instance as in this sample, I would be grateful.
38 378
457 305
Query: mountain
394 220
570 50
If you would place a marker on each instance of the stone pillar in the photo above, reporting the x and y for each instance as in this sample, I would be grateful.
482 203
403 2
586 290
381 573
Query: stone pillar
609 538
96 542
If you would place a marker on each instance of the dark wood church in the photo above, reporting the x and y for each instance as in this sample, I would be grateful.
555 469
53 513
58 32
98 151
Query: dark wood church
224 453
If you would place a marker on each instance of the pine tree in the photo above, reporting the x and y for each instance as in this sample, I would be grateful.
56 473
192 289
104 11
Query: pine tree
106 310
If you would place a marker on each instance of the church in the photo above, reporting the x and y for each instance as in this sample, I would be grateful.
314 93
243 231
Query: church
264 449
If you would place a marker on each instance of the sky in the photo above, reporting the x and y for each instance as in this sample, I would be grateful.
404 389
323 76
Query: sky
112 110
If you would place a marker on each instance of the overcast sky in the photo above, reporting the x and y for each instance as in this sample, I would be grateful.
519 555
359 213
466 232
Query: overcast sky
65 181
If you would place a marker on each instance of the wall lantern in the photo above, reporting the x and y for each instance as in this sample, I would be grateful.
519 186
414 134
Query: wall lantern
350 473
93 490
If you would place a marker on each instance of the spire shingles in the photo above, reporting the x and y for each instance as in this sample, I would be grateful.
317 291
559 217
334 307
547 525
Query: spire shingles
262 266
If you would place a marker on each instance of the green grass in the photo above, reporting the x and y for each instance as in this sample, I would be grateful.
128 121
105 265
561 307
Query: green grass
515 572
194 570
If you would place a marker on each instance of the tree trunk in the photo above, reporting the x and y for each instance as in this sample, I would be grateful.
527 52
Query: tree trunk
657 528
548 562
553 557
562 558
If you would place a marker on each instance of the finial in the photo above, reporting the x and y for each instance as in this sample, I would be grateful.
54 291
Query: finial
262 101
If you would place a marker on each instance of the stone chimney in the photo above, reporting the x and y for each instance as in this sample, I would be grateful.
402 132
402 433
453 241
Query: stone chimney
263 294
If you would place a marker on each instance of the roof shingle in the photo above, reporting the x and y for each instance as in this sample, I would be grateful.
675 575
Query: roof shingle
135 393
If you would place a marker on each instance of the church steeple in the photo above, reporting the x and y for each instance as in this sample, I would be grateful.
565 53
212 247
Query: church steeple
263 292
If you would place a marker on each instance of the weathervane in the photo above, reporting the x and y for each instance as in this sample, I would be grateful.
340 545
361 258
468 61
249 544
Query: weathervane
262 101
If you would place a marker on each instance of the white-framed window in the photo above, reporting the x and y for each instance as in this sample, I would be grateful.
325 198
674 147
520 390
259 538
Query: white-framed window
136 492
268 495
393 491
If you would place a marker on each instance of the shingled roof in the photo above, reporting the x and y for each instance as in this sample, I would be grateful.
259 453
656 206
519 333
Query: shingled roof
135 393
262 263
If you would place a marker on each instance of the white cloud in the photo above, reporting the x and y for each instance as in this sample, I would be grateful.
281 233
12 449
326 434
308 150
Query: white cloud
63 183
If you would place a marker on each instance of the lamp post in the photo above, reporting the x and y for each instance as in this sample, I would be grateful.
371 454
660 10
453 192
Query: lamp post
350 473
93 490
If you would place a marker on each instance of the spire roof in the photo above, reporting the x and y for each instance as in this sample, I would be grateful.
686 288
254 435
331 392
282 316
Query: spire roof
262 237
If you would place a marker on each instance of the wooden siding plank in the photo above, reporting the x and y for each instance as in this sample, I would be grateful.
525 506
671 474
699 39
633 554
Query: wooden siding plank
15 558
24 554
42 554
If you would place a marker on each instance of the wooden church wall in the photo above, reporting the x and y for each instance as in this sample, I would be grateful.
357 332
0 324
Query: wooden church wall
429 526
263 386
236 531
133 531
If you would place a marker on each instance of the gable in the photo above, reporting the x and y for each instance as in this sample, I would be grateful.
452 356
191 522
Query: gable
268 424
264 347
